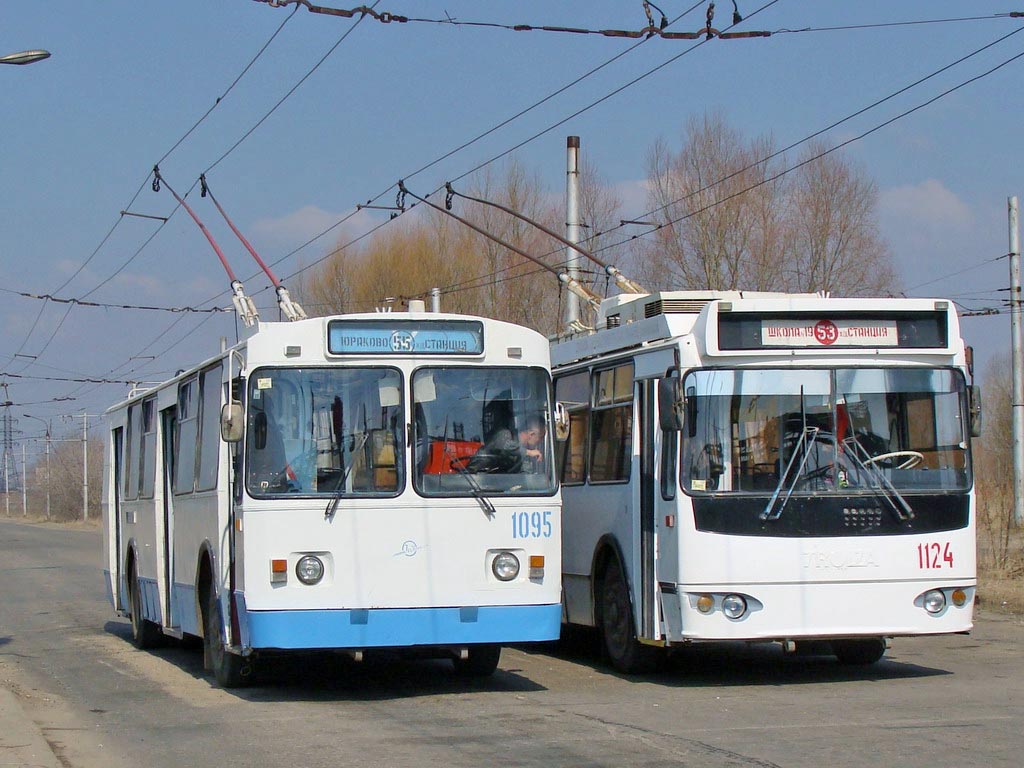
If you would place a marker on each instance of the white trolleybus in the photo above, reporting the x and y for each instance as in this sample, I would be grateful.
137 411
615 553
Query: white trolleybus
767 467
347 483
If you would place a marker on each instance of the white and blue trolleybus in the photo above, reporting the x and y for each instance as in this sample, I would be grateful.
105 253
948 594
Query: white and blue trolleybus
342 483
767 467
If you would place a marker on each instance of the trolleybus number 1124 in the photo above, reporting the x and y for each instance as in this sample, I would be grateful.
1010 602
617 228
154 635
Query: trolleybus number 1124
932 556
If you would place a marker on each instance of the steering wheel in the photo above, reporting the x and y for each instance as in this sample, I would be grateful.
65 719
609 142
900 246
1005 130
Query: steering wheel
913 458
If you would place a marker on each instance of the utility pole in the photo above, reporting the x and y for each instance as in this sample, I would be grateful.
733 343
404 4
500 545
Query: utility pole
8 447
1017 359
85 461
24 483
48 426
572 226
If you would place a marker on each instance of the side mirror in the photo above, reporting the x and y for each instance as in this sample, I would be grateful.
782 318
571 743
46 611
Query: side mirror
670 404
231 422
974 409
561 422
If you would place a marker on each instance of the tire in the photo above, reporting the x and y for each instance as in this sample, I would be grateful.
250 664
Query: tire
229 669
145 634
624 651
860 652
481 662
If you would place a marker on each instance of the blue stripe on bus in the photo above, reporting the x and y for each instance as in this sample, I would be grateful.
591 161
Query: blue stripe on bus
399 627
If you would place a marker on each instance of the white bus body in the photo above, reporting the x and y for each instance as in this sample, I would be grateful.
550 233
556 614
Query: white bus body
766 467
337 503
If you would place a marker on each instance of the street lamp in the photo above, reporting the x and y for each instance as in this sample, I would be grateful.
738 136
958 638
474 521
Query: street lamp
47 425
25 57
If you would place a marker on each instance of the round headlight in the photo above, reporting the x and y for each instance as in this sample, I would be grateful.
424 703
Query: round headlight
505 566
934 601
309 569
734 606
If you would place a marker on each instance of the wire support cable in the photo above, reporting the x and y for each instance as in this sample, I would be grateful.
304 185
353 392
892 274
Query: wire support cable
646 32
104 305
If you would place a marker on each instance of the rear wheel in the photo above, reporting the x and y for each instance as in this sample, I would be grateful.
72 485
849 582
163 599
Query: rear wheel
481 661
145 634
624 651
859 652
229 669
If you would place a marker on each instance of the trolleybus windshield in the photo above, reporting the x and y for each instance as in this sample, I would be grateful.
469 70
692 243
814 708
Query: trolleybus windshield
481 430
847 431
325 431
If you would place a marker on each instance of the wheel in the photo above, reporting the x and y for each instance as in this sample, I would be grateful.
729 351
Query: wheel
859 652
145 634
229 669
624 651
481 662
911 458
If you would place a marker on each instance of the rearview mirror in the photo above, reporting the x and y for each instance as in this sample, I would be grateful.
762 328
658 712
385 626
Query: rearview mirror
670 404
974 409
231 422
561 422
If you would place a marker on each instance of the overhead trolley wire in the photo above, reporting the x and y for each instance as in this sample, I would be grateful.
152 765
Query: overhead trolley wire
127 209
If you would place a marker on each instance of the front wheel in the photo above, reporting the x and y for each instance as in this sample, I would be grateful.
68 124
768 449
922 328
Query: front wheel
860 652
624 651
481 661
145 634
229 669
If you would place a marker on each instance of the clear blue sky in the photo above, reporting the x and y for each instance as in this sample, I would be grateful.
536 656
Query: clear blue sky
127 79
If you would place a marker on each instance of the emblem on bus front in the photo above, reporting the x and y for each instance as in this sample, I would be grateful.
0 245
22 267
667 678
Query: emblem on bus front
409 549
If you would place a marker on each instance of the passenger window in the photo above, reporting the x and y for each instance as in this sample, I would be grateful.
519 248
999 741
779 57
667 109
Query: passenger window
611 439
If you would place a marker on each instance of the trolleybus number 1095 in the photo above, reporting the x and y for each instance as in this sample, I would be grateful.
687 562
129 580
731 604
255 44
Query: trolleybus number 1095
531 525
930 556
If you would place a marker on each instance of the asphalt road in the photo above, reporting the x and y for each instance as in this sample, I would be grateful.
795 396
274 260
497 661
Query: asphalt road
948 701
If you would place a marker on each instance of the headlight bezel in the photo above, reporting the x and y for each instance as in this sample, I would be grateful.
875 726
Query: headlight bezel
310 577
505 566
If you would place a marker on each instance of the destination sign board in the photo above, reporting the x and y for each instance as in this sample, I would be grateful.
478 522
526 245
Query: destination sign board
792 330
814 332
405 337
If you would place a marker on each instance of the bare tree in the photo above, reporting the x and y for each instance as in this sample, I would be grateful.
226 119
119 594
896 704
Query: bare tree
993 468
731 219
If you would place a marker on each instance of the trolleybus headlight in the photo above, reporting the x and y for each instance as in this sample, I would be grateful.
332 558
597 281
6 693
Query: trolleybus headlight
505 566
309 569
934 600
734 606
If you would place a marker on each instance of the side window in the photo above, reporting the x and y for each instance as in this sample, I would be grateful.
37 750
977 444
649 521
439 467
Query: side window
669 449
186 434
131 452
209 432
611 436
147 455
574 391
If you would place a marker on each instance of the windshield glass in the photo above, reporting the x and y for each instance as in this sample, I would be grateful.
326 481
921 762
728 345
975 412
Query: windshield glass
846 431
325 431
482 430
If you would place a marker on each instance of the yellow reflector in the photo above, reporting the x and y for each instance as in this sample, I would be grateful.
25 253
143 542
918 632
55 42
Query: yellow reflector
536 561
959 597
705 603
278 566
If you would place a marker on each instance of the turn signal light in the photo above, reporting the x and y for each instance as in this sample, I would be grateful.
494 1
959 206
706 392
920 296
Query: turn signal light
278 571
959 598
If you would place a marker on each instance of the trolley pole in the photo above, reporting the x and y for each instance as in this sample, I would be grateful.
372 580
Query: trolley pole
1017 359
572 225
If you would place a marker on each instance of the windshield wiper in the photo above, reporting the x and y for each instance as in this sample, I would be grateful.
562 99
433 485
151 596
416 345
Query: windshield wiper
808 436
478 492
339 492
880 482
